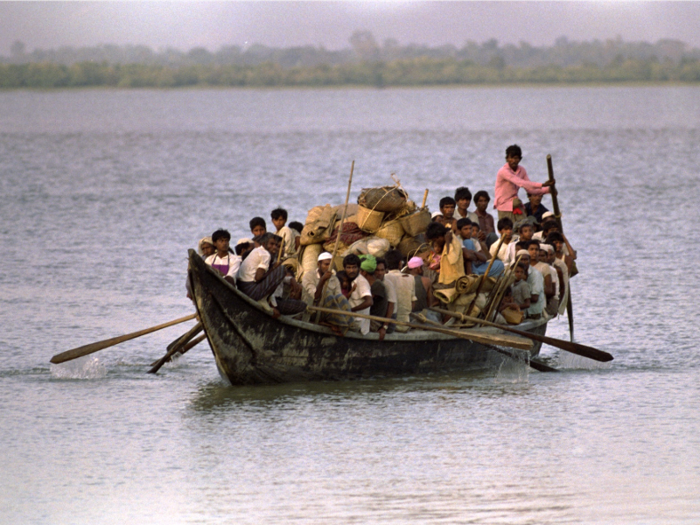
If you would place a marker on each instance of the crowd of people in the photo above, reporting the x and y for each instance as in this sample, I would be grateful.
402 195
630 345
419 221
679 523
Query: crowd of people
525 247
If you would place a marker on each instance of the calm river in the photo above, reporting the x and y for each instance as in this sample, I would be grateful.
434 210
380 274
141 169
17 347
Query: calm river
102 192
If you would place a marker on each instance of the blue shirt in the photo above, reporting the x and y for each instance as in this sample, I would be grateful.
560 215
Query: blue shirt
480 268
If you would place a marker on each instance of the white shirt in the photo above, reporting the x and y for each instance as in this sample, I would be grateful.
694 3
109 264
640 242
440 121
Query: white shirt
258 258
231 260
309 283
357 297
289 240
536 282
504 252
405 293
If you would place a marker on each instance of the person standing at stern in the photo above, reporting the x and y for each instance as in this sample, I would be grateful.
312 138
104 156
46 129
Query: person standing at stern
512 177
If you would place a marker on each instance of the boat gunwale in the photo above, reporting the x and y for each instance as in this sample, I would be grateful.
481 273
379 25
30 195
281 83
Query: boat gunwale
414 335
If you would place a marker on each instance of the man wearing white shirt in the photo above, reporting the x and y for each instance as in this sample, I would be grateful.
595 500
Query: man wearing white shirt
259 279
361 296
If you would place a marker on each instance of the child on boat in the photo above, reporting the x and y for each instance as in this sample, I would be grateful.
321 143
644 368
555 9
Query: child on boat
520 289
257 226
289 236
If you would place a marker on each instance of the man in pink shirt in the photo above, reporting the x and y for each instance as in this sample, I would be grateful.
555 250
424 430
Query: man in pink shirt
509 179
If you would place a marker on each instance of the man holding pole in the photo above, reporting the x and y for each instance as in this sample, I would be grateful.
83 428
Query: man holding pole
509 179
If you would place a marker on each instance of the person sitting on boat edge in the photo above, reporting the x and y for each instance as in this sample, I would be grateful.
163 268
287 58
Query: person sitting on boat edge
510 178
225 262
361 295
259 279
206 247
405 286
368 267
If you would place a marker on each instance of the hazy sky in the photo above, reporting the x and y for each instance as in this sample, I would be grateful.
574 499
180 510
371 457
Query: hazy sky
184 25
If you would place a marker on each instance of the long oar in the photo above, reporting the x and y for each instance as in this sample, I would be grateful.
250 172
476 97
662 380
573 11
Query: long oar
557 216
502 340
340 232
540 367
182 340
569 346
101 345
185 338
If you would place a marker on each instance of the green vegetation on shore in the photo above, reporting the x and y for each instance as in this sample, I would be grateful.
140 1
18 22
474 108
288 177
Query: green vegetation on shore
366 63
416 72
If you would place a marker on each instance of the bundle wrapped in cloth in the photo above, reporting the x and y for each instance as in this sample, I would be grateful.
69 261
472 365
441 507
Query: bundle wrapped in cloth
384 199
319 225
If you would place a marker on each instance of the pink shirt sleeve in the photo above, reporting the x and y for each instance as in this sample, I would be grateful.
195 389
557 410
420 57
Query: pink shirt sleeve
507 184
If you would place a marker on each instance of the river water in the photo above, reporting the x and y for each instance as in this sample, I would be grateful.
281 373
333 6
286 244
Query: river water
102 192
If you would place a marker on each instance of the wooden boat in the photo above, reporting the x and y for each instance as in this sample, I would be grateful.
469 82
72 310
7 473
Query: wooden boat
251 347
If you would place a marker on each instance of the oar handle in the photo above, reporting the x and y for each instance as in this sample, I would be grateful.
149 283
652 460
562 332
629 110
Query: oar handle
425 198
101 345
520 343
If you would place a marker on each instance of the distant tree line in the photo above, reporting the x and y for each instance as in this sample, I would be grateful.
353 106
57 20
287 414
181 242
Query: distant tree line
364 64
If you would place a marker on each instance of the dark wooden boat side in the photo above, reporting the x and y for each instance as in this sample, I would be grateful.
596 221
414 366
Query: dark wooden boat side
250 347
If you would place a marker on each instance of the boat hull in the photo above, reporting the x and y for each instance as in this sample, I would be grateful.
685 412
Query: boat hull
250 347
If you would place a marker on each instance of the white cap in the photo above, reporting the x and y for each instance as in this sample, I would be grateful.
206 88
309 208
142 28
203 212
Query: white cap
325 256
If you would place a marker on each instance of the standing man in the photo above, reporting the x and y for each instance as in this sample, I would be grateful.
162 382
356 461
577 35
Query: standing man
509 179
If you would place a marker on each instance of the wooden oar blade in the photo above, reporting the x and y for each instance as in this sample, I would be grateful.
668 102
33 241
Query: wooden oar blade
84 350
574 348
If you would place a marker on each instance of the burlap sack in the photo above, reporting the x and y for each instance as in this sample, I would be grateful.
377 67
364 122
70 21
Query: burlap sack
318 230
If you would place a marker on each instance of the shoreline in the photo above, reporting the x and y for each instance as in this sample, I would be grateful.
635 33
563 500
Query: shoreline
338 87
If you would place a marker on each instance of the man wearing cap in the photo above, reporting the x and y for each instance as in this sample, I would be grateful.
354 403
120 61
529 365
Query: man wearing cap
361 296
423 286
313 282
380 301
314 294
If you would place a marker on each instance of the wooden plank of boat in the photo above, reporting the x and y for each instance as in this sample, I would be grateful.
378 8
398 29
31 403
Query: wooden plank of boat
251 347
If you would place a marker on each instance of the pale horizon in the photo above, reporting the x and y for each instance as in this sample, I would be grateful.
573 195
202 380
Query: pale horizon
212 25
